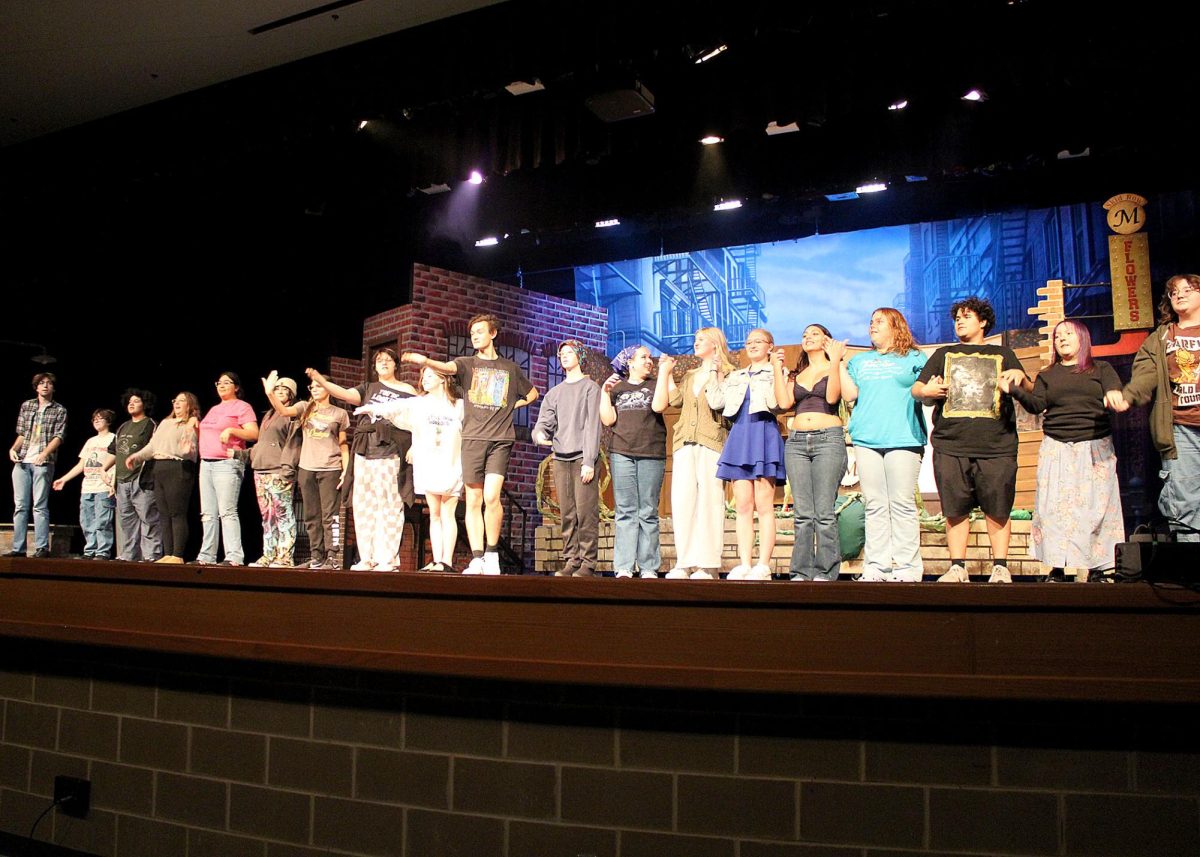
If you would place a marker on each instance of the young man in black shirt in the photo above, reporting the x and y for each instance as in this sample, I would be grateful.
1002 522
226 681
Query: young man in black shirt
974 435
493 387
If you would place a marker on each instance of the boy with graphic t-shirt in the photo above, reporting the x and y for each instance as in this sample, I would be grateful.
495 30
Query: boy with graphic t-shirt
974 435
493 387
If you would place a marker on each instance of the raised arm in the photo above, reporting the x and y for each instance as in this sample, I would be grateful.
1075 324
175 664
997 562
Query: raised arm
269 384
664 387
785 393
448 367
346 394
608 414
837 353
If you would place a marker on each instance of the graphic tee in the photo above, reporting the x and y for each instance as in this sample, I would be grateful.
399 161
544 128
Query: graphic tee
491 389
131 437
93 467
1183 371
320 449
975 420
638 432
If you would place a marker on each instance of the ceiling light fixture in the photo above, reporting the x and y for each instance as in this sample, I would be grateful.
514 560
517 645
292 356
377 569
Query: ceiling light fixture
871 187
898 105
489 241
476 177
363 124
774 128
977 95
715 52
435 188
604 224
711 140
521 87
727 205
841 197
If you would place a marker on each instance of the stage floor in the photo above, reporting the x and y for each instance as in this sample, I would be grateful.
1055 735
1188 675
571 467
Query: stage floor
1127 641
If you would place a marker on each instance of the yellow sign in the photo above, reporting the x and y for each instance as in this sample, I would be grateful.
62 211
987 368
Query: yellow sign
1126 213
1129 262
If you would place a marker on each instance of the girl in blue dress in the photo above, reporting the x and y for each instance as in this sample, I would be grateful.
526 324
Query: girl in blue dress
753 455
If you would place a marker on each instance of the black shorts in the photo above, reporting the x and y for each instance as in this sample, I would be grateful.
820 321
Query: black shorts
964 483
480 457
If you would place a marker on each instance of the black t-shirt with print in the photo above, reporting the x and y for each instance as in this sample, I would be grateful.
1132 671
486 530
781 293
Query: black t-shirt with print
975 420
490 391
638 432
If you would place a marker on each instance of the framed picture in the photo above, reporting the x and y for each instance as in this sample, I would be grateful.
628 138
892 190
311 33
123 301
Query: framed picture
974 385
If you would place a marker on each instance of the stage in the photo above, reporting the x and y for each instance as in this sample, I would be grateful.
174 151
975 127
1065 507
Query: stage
1129 642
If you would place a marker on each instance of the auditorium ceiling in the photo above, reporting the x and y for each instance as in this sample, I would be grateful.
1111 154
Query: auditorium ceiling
348 112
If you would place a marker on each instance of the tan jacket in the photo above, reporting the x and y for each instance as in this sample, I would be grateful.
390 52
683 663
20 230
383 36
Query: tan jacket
697 423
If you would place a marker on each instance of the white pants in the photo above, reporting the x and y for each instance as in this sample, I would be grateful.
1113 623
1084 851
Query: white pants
697 507
378 509
889 486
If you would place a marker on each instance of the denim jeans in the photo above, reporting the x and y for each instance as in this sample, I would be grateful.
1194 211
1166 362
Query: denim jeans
141 530
636 482
220 484
1180 497
889 488
31 491
96 521
815 462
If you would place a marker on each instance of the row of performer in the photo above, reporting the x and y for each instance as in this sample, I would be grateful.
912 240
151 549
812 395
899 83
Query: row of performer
454 436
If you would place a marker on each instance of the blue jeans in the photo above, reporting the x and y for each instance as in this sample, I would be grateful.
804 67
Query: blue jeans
31 490
1180 497
96 520
815 462
220 484
636 482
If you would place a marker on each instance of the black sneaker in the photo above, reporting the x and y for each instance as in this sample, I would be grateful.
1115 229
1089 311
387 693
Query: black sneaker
314 564
15 553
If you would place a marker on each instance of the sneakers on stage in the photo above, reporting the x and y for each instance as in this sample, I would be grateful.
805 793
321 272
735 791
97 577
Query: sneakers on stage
1000 574
956 574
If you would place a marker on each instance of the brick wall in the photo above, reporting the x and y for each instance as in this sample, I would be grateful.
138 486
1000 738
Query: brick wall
442 300
196 757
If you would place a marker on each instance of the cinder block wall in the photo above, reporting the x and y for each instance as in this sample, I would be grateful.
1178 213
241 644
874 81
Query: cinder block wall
191 757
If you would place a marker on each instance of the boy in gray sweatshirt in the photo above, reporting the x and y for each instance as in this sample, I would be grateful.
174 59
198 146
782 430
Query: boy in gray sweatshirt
569 423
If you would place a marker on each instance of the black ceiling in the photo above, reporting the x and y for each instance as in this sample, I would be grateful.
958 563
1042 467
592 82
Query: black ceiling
279 152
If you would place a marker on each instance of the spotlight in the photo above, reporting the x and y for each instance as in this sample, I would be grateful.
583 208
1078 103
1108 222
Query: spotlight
521 87
774 128
977 95
715 52
476 177
727 205
898 105
871 187
362 125
603 224
711 140
489 241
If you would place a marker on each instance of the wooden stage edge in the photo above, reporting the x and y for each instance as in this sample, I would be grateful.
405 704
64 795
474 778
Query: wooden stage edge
1125 642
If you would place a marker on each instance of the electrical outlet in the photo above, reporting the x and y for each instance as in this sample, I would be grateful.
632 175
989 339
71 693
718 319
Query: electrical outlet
73 796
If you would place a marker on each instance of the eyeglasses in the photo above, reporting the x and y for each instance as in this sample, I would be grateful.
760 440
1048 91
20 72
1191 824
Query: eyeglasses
224 383
758 342
1181 290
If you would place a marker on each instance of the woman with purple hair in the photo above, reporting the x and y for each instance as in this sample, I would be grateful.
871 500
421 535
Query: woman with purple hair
1077 518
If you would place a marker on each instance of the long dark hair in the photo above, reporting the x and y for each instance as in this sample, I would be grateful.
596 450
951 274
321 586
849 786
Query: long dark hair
802 363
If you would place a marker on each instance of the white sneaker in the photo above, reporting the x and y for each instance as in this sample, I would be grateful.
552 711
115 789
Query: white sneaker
956 574
759 572
677 573
622 573
911 576
491 563
475 566
873 575
738 572
647 575
705 574
383 566
1000 574
362 566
